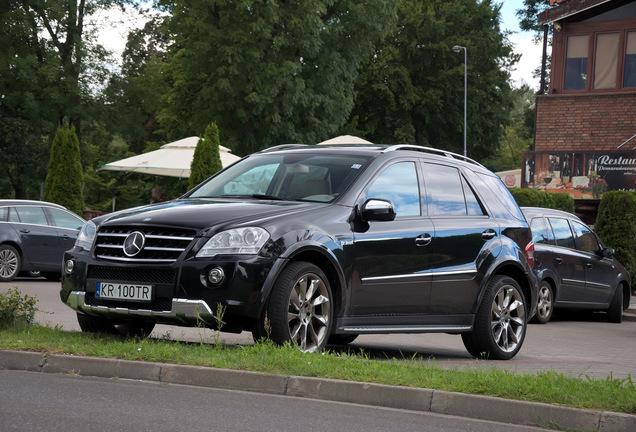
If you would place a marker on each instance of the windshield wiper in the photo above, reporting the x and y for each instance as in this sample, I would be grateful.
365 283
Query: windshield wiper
255 196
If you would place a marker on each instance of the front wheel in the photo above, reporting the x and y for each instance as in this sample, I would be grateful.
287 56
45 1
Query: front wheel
300 307
501 322
615 311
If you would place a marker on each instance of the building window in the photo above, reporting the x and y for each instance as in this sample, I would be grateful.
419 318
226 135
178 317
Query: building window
629 79
576 63
606 60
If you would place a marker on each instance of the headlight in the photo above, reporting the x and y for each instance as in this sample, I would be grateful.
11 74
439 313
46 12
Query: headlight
86 236
244 241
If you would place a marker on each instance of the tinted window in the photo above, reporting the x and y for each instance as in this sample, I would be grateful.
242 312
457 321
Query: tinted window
539 235
65 219
585 238
31 215
398 184
444 187
473 206
562 232
502 195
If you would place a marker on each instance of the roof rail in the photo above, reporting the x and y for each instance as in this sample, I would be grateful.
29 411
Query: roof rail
432 150
282 147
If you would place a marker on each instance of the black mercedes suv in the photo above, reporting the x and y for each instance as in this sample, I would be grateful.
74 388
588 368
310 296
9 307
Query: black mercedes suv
315 245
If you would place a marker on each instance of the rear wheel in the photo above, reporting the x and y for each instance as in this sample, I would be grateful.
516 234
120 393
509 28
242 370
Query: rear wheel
9 263
93 324
300 307
545 304
500 323
615 311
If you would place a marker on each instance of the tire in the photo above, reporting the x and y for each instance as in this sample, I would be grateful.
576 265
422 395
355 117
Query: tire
545 304
300 308
615 311
500 323
341 339
93 324
10 263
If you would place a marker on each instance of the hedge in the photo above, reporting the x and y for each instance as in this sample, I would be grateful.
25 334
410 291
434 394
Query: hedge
616 225
539 198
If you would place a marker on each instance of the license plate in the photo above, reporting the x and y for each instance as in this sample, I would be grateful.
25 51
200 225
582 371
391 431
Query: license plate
122 291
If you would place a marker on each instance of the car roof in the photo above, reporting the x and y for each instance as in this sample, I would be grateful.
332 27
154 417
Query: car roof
14 202
540 211
376 149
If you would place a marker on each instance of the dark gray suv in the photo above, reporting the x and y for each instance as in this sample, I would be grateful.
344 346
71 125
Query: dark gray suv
574 268
34 236
316 245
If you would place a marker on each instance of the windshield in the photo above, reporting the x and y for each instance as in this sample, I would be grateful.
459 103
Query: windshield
291 176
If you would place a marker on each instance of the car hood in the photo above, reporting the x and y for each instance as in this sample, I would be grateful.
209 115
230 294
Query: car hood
204 213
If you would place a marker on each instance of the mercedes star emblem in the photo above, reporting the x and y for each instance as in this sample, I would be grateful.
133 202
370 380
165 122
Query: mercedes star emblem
134 243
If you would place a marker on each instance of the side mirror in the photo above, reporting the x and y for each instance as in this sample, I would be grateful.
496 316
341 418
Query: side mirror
607 252
377 210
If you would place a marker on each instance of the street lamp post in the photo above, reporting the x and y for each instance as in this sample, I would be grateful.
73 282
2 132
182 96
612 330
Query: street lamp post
458 48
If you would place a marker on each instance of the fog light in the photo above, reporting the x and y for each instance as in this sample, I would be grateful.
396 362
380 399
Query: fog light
216 276
69 266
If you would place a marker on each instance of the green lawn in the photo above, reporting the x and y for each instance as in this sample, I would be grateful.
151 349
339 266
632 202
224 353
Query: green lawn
548 386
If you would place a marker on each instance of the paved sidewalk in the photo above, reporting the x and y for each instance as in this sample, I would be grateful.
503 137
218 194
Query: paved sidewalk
629 314
417 399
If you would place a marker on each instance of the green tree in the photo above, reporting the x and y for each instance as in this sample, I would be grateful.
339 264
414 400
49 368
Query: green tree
64 180
411 89
269 72
207 156
518 135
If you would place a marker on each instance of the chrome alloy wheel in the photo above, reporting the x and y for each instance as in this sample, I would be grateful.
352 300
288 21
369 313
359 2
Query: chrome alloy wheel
9 263
308 312
508 318
544 306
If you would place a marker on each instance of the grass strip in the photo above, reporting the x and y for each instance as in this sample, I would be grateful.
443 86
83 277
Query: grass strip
618 395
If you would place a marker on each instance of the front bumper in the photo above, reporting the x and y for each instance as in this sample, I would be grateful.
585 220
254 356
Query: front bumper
182 293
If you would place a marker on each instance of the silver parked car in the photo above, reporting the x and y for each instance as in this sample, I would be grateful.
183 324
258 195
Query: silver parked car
34 236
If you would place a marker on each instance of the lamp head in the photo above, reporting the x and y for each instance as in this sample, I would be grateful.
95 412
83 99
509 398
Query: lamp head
457 48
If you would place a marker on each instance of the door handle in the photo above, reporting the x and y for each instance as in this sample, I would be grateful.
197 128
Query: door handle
423 240
489 234
559 260
24 230
588 265
65 236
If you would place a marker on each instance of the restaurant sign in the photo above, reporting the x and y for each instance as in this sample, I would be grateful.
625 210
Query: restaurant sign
584 175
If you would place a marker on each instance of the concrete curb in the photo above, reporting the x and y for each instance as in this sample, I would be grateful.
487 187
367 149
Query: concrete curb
415 399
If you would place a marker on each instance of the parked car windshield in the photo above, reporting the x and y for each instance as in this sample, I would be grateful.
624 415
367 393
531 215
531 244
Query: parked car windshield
303 177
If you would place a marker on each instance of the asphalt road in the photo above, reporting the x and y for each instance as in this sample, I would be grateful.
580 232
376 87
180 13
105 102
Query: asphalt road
579 345
69 403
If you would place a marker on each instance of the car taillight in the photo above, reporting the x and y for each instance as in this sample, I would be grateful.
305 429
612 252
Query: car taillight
530 254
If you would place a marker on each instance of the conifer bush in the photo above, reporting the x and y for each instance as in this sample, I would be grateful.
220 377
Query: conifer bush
207 156
65 179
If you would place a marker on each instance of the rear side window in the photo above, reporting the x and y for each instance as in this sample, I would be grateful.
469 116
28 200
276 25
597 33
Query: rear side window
4 213
398 184
30 215
449 192
500 194
562 232
585 238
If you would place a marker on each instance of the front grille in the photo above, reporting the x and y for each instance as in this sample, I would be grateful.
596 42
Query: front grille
160 304
162 245
127 274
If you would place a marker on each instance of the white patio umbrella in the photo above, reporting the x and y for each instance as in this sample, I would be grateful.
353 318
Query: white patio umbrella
173 159
346 139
